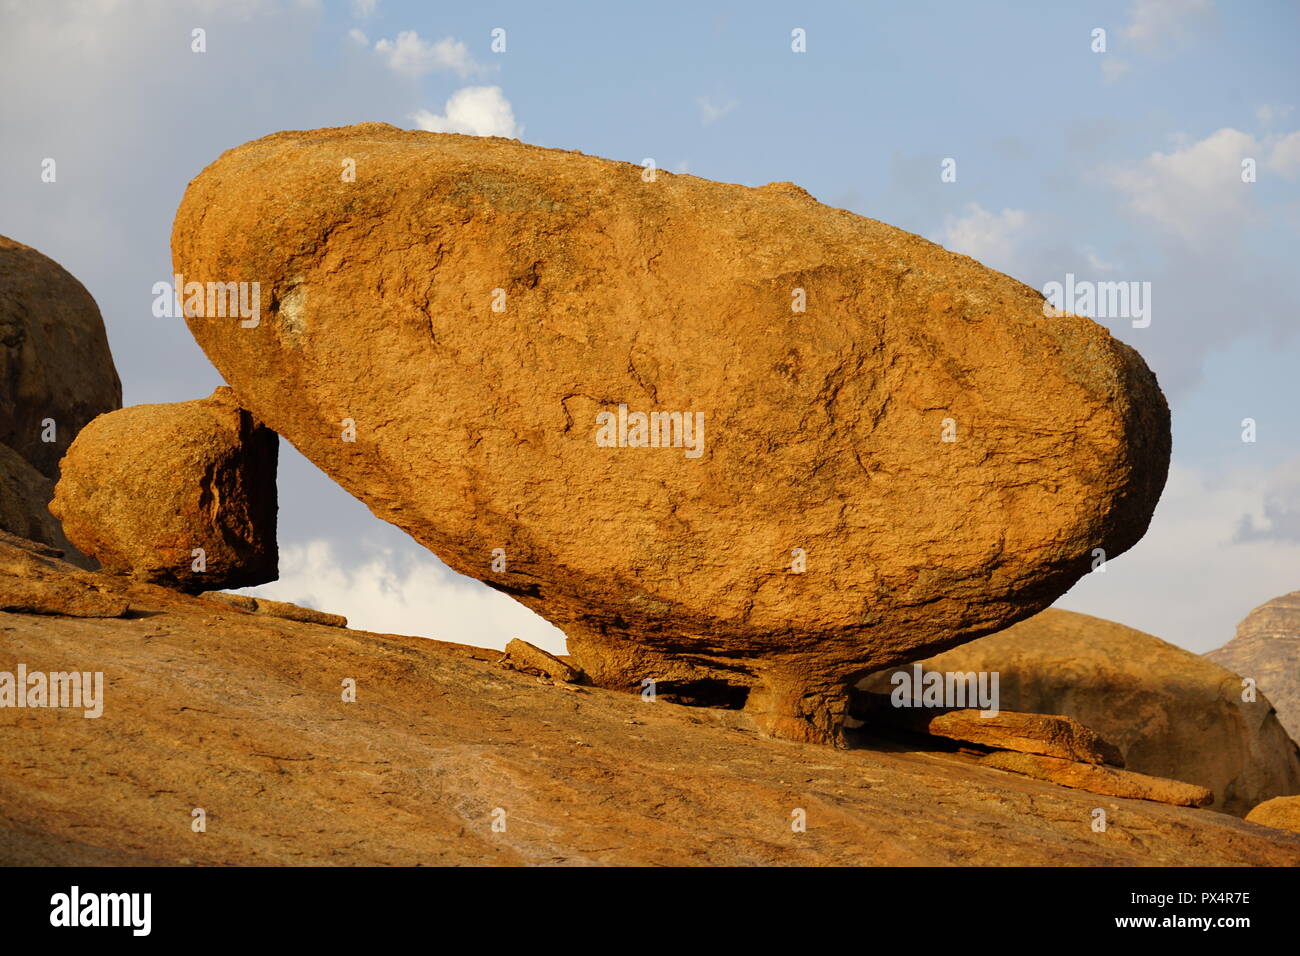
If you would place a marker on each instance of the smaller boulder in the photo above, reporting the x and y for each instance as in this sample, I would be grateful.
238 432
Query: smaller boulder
1281 813
181 495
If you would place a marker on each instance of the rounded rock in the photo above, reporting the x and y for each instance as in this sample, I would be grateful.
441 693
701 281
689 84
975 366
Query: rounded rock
181 494
891 448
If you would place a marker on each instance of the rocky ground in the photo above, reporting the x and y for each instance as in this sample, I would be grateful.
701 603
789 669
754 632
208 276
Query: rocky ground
241 714
1170 712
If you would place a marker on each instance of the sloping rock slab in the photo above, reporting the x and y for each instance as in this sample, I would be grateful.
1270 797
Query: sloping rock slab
242 716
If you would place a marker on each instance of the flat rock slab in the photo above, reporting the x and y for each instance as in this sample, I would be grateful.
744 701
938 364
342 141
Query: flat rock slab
1103 780
241 715
290 612
35 580
531 659
70 600
1048 735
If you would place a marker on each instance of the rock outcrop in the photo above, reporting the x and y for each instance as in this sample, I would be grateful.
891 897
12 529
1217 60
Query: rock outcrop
1282 813
180 494
1266 647
56 371
242 716
730 440
1170 712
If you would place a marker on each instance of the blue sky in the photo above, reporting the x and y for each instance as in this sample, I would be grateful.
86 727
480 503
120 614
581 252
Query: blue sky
1114 166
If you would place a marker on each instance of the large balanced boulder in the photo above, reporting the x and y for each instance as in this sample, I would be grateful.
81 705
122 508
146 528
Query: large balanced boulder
1170 712
180 494
866 448
1266 648
56 371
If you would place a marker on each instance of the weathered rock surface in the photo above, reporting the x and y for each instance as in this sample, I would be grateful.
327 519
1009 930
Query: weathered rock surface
1045 734
1267 648
54 357
1283 813
1102 780
823 430
1171 713
145 487
241 714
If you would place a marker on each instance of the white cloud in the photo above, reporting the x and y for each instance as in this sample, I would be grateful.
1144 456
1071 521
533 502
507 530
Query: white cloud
361 9
390 595
1278 518
992 238
358 37
411 56
711 111
1195 575
474 110
1270 114
1194 192
1096 264
1159 25
1113 68
1285 158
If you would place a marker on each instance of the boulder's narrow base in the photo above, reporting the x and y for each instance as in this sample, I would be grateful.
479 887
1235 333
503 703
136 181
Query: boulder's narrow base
782 699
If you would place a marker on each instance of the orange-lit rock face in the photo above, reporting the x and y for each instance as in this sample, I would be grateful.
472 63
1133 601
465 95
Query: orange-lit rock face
468 309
